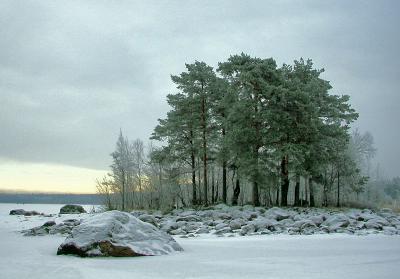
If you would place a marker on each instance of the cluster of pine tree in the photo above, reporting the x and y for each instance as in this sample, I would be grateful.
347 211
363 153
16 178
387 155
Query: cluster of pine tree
256 124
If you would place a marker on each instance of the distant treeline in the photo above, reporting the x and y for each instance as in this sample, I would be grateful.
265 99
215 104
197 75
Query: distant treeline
50 198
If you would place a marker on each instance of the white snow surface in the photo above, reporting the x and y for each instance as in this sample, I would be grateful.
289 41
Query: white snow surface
263 256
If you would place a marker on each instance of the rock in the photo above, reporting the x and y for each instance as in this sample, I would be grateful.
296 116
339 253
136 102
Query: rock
389 230
148 219
178 231
138 213
236 224
335 222
264 223
65 227
248 207
308 227
299 223
317 219
247 229
359 225
189 218
192 226
203 230
24 212
277 213
221 226
286 223
376 223
169 226
50 227
37 231
118 234
49 224
221 216
222 207
72 209
187 213
223 230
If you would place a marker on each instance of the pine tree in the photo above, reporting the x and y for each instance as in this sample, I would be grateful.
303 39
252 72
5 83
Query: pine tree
253 80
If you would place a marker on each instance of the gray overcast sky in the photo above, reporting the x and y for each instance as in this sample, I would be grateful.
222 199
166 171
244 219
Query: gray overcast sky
72 73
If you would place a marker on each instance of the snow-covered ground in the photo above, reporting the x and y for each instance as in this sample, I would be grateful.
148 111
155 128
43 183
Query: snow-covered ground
264 256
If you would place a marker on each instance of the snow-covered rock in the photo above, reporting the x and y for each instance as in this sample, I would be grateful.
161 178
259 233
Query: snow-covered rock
221 226
335 222
317 219
24 212
248 229
277 213
50 227
119 234
72 209
147 218
264 223
236 224
376 223
221 215
189 218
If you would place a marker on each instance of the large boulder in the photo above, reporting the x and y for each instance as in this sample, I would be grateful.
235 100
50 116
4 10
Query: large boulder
118 234
72 209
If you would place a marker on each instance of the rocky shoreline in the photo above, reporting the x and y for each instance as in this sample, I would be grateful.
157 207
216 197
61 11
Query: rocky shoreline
222 220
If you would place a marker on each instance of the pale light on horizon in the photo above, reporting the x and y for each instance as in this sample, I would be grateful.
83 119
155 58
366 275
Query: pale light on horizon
41 177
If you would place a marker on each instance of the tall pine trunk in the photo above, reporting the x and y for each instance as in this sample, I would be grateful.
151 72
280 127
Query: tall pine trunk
297 191
325 193
212 185
277 197
123 191
255 194
224 189
311 186
203 120
193 166
338 190
236 192
255 190
285 181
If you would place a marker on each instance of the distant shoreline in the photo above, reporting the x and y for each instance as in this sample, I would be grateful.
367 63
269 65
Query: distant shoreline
50 198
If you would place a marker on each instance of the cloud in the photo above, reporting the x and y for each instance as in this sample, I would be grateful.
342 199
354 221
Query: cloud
72 73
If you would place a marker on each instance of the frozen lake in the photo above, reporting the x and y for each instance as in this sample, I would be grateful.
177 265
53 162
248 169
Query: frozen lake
269 256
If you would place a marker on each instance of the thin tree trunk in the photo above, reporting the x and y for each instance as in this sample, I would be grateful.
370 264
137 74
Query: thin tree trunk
297 191
285 181
123 191
224 189
256 196
203 118
325 198
193 166
212 185
306 190
199 183
236 192
338 190
310 184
